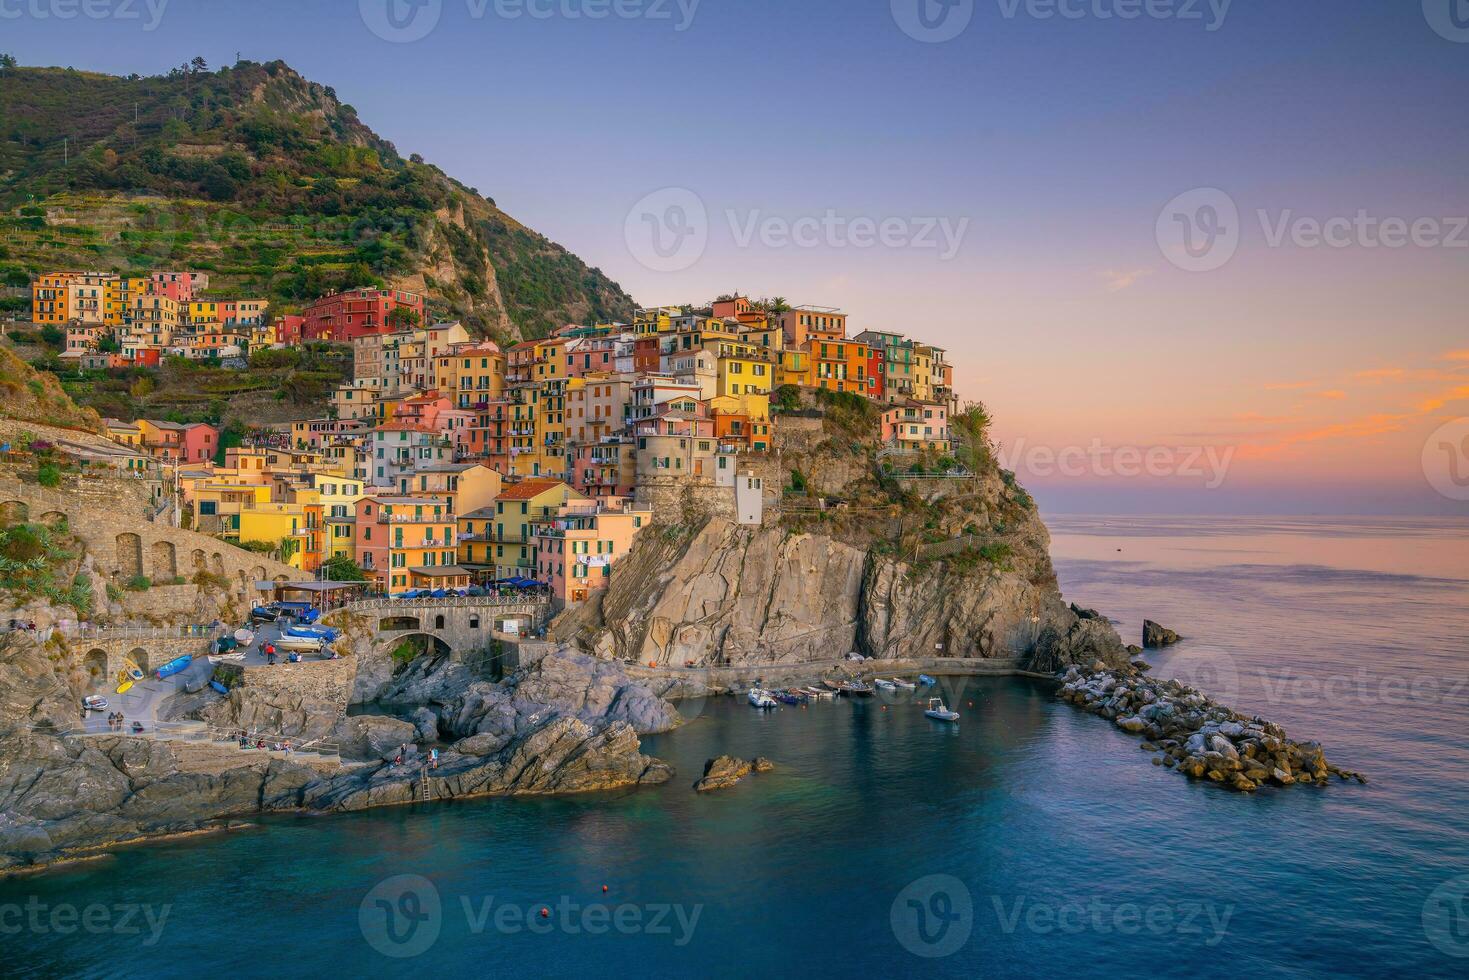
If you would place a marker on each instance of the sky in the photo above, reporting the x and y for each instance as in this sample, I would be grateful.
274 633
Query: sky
1195 256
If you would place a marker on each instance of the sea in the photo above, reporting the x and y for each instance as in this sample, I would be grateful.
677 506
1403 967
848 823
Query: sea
1030 839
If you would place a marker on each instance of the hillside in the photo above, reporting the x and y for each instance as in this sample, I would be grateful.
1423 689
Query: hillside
273 186
29 395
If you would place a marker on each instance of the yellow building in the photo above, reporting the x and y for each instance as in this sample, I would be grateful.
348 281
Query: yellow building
743 369
504 531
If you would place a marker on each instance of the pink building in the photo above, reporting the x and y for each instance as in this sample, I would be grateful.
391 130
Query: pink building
575 551
916 426
201 442
177 286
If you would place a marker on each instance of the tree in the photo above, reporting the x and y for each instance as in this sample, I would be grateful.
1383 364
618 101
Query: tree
970 427
198 64
340 568
402 318
7 63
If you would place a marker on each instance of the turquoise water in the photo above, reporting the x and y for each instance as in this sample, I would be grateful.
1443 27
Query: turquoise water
1031 839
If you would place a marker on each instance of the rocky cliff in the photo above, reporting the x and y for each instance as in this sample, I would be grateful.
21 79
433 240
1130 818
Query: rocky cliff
872 559
568 724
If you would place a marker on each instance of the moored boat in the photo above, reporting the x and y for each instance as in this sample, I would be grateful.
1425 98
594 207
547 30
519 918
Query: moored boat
926 681
856 689
760 698
904 685
938 711
789 697
884 684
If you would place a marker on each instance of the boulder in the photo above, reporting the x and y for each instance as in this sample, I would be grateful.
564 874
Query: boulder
726 770
1155 636
374 736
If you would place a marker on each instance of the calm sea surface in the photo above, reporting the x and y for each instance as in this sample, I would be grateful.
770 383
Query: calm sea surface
1029 840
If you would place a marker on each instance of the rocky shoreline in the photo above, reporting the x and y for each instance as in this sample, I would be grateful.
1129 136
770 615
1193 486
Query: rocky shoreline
1196 735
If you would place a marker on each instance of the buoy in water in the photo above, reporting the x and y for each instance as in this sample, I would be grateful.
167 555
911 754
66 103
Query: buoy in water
545 912
604 889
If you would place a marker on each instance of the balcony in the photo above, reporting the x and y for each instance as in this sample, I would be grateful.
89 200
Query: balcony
414 518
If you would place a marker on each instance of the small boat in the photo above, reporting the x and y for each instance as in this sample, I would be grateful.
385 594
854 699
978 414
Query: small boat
219 687
939 712
760 698
132 669
833 686
124 687
789 697
901 684
884 685
308 644
174 666
818 693
856 689
926 681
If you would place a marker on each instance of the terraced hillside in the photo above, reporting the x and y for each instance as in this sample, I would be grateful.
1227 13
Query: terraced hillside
274 187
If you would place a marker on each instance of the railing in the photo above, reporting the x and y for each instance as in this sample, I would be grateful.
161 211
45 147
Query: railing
447 601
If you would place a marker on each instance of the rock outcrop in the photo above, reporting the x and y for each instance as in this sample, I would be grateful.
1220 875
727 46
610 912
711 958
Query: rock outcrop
729 595
568 724
726 770
1155 636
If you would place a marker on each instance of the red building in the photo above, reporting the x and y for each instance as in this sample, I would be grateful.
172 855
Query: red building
288 329
645 354
876 372
342 317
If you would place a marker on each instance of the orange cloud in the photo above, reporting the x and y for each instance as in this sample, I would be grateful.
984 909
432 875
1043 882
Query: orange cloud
1456 355
1290 385
1118 281
1335 394
1435 402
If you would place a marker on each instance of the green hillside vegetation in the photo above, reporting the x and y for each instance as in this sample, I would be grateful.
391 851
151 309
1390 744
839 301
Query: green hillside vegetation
274 187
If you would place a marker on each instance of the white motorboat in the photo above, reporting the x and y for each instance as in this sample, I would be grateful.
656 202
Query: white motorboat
301 644
761 698
901 684
883 684
938 711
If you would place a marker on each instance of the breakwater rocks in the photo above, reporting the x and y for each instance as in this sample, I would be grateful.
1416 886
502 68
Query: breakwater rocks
1196 735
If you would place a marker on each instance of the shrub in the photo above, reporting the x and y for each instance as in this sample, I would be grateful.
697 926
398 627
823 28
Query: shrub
48 475
138 583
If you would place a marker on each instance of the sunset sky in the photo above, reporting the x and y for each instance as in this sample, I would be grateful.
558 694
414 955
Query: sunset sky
1299 376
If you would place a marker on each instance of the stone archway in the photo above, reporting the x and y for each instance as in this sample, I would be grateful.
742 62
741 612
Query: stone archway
139 656
14 512
54 518
439 621
216 563
95 665
129 555
196 559
165 561
257 574
414 645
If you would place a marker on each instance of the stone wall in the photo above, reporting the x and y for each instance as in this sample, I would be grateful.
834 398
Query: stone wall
109 514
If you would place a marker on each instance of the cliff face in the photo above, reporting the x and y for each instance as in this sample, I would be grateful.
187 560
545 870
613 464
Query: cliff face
903 566
728 596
